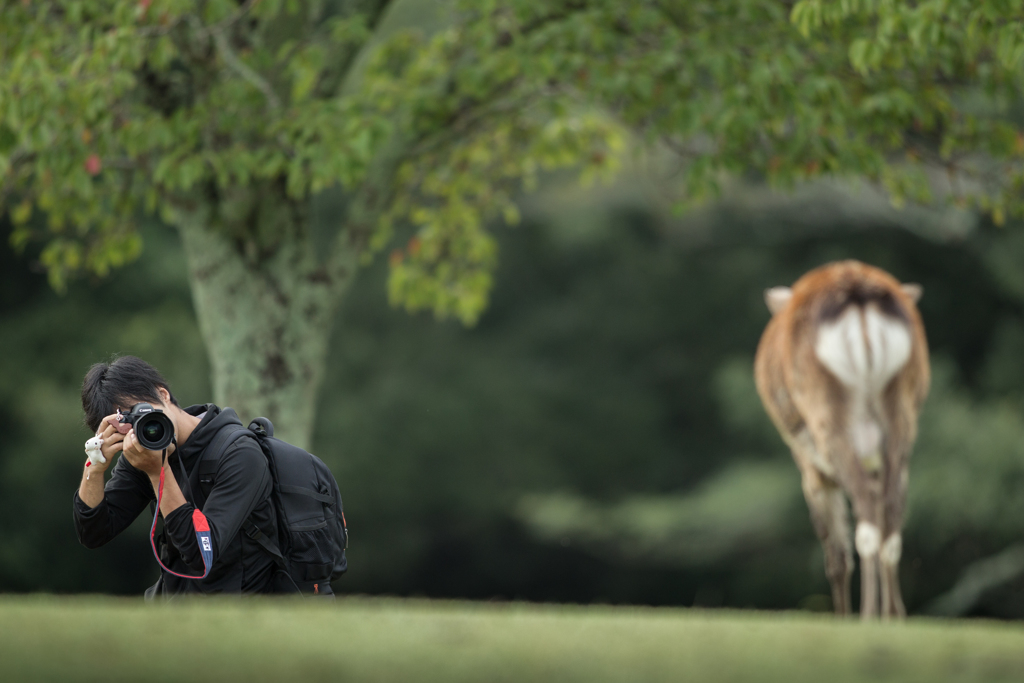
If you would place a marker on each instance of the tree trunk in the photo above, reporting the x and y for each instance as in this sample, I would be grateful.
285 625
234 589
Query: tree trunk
265 300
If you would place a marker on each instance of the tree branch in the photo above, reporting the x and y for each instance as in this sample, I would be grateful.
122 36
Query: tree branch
18 158
977 579
247 74
234 18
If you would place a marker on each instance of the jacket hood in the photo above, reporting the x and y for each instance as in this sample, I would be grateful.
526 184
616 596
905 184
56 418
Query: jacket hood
212 422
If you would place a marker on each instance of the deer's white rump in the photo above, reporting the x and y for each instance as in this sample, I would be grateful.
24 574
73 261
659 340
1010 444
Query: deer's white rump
864 348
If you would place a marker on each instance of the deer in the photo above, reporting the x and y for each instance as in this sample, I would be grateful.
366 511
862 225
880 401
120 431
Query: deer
842 370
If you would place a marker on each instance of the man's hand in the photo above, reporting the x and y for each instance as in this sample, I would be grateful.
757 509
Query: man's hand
111 443
91 490
141 458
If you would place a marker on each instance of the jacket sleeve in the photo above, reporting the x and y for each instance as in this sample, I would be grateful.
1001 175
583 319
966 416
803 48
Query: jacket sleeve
241 483
125 495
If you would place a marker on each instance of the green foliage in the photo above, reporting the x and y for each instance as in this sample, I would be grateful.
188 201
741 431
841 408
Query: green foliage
745 508
108 108
887 91
477 127
913 98
947 75
969 470
453 191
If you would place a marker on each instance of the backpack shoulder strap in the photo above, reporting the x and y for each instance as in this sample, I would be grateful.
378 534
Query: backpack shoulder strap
209 461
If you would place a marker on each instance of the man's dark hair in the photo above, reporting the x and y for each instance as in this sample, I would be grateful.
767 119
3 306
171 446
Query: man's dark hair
121 383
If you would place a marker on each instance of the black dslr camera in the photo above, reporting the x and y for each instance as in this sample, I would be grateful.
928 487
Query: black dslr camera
153 428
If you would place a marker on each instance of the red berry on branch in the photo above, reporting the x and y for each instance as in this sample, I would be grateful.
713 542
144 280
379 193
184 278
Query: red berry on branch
93 165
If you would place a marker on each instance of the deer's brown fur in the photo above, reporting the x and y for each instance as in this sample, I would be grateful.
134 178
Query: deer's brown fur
849 436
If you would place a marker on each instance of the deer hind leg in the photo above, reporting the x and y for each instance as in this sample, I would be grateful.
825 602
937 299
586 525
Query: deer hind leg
861 479
863 484
831 522
892 546
867 505
868 539
889 558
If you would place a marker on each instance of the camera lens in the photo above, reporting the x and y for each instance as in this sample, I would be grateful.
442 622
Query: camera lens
153 431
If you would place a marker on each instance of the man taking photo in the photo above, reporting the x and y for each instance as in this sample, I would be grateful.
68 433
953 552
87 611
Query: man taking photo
241 489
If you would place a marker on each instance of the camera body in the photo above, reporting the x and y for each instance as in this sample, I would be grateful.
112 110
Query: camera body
153 429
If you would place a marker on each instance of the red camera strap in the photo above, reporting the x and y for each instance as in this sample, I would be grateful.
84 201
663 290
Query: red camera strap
199 523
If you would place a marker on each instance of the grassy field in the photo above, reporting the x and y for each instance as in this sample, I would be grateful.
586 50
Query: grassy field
354 639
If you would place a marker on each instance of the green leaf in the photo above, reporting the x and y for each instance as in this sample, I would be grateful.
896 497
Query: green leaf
22 213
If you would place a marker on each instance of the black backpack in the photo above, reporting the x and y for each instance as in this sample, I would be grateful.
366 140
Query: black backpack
311 532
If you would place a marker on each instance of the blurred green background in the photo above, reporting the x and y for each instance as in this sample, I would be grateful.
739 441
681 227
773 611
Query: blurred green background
596 437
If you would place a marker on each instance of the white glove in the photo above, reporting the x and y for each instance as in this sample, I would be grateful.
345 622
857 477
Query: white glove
92 449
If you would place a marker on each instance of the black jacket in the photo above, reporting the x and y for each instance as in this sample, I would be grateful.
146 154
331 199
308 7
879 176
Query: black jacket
241 490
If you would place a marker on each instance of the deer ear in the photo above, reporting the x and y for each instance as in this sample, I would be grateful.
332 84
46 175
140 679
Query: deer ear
913 290
777 298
